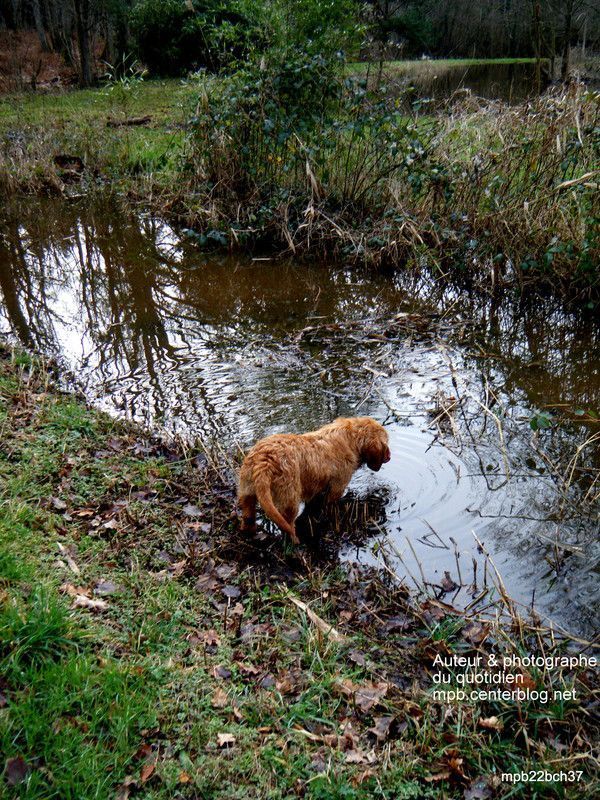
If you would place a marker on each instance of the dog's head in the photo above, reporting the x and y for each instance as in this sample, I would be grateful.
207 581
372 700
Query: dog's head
374 446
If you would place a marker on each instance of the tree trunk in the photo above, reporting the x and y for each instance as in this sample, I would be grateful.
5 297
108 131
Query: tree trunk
82 18
537 45
39 26
565 67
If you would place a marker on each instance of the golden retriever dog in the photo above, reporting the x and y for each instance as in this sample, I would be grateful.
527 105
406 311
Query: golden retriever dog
286 469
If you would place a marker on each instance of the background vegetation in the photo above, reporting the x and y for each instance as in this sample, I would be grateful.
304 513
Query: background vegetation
175 36
286 141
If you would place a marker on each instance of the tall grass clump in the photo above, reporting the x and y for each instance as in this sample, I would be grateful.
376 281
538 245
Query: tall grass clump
34 633
521 186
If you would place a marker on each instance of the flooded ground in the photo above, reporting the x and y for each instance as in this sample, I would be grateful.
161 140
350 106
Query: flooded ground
433 80
228 350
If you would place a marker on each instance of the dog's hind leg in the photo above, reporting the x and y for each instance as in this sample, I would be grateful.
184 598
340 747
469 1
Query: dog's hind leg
247 505
290 513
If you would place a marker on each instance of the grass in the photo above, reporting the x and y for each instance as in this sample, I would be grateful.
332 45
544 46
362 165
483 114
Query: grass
40 126
146 650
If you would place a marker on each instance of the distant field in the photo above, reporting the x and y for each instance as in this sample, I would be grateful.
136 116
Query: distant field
409 65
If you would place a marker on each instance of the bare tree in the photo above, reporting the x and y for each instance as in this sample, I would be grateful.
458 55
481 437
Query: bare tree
84 39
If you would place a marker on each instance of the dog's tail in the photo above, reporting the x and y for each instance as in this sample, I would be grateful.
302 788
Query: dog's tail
262 486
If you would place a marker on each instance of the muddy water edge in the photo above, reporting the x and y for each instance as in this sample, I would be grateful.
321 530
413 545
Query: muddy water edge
491 403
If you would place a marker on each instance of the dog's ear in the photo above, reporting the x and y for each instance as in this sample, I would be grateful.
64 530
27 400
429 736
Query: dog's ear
375 453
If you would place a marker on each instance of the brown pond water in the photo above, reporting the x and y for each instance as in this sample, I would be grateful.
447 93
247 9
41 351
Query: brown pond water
231 350
435 81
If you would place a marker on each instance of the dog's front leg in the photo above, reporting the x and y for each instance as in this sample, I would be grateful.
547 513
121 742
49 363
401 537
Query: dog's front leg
336 491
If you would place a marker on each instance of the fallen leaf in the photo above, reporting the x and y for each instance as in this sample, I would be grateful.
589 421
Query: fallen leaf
475 633
523 680
211 638
357 657
219 698
73 591
124 789
397 624
360 757
177 568
105 588
16 770
84 512
478 790
370 694
226 571
251 631
81 601
249 669
225 740
285 684
144 751
207 583
448 584
436 610
58 504
454 762
381 728
191 510
292 634
221 672
491 723
147 770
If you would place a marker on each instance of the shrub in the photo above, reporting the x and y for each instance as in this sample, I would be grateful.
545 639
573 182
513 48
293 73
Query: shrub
294 130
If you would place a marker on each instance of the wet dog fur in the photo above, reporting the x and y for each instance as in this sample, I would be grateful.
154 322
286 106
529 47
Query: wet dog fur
286 469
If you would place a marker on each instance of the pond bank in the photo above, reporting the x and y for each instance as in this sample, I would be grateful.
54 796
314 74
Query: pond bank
147 648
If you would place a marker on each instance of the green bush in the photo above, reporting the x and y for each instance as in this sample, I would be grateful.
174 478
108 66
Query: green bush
293 130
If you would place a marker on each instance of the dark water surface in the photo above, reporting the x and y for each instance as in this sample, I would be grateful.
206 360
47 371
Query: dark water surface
436 81
230 350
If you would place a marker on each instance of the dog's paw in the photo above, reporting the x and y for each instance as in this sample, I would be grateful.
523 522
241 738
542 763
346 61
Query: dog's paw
248 528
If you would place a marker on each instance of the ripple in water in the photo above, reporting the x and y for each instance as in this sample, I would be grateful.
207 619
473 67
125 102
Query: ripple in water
429 490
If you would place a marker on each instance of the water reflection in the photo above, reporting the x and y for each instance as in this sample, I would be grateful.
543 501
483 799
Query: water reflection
437 81
221 348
